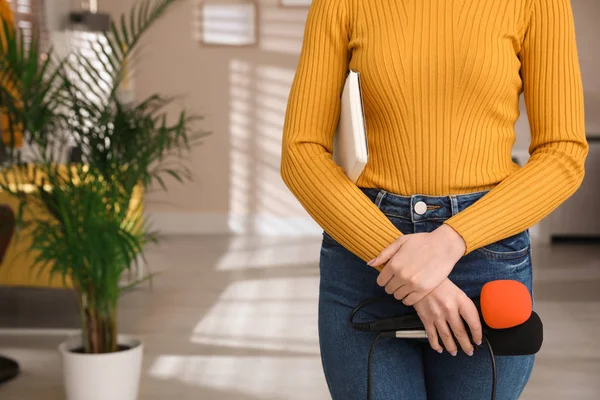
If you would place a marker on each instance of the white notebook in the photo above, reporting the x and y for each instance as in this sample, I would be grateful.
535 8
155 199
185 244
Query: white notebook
350 149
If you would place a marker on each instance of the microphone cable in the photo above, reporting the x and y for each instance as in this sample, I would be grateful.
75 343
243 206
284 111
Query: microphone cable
372 327
493 361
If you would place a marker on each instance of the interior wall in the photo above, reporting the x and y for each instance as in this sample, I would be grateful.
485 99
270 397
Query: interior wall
587 17
587 25
242 93
57 12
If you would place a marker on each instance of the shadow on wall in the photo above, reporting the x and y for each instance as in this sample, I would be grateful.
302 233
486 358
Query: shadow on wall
259 86
242 92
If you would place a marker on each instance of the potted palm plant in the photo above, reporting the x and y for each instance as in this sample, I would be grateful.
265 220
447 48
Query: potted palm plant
85 219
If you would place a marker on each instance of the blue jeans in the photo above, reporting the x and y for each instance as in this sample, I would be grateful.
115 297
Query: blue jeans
403 368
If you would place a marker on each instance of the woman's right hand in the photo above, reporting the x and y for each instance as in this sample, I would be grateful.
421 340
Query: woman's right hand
441 311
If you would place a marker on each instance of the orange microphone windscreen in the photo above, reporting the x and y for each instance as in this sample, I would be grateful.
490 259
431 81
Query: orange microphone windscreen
505 303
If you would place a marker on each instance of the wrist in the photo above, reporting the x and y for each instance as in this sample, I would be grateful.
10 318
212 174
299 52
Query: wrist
453 240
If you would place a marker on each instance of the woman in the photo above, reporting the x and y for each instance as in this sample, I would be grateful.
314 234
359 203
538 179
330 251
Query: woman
441 208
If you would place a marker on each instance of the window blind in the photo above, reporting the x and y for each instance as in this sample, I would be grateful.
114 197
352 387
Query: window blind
30 15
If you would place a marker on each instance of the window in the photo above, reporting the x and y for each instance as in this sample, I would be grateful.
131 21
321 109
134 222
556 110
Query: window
30 15
228 23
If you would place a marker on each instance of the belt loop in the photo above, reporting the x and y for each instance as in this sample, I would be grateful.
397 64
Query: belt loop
454 204
412 209
379 197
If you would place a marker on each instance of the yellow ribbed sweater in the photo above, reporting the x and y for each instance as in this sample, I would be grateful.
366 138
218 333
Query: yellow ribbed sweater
441 82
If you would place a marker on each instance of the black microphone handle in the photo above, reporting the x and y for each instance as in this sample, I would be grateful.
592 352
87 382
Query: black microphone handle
524 339
403 322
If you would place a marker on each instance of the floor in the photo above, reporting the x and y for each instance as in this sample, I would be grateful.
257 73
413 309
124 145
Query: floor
235 318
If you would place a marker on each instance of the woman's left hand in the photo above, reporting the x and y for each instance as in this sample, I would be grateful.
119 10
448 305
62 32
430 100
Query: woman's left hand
417 263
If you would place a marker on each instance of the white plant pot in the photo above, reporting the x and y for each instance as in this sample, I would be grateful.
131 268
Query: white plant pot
114 376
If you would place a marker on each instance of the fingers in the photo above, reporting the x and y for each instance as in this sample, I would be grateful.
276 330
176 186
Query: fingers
397 288
393 285
460 333
385 276
401 293
446 335
469 313
413 298
387 254
432 336
445 306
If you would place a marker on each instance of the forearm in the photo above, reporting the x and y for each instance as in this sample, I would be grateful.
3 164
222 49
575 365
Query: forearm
525 197
335 202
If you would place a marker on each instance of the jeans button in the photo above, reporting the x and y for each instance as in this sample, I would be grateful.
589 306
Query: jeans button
420 207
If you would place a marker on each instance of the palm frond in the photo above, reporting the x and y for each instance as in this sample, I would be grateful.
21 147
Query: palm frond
92 231
122 41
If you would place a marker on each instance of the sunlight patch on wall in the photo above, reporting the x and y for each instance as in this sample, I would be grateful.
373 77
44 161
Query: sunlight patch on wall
260 202
272 89
240 138
282 29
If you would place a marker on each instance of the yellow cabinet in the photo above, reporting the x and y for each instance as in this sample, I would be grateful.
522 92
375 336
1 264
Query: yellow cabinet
18 269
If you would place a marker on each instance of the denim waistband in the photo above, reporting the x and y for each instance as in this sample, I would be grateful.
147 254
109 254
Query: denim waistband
420 207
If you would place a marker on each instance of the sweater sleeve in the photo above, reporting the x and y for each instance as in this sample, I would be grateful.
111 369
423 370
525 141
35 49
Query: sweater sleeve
312 113
554 100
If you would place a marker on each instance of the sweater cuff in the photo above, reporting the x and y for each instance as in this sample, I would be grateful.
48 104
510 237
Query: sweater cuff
466 232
